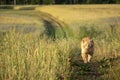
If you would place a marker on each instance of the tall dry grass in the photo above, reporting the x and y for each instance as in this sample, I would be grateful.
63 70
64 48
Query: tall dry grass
30 57
25 56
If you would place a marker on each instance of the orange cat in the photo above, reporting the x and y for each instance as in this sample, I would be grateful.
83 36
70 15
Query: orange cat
87 49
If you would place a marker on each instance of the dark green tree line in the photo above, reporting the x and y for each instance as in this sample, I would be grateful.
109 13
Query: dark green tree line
25 2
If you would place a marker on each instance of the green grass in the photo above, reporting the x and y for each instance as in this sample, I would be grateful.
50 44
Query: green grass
43 47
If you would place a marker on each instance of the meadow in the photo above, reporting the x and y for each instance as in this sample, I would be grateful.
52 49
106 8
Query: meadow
43 42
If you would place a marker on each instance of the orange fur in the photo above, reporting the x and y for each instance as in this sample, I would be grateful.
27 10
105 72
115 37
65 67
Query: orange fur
87 49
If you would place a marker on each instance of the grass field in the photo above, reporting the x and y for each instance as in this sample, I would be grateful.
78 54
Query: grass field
76 14
43 42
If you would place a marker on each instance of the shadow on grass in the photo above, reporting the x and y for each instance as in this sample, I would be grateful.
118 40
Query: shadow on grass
7 7
21 8
27 8
54 28
81 71
50 29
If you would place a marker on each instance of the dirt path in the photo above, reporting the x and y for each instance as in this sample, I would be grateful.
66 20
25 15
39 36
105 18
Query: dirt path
51 24
96 70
